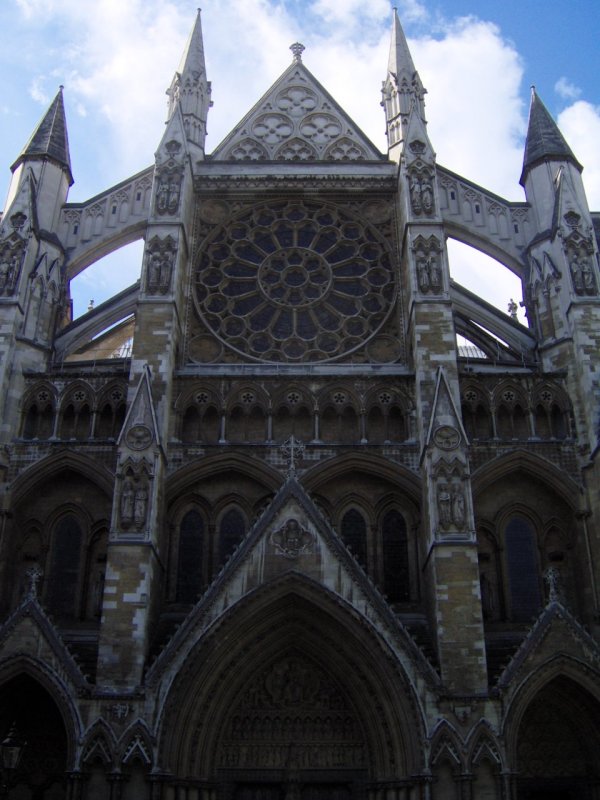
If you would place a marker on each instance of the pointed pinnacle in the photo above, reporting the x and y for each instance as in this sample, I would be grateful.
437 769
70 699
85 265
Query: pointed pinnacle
50 139
400 58
544 140
192 60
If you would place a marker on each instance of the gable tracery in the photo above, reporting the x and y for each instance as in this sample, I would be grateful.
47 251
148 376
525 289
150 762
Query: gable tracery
296 121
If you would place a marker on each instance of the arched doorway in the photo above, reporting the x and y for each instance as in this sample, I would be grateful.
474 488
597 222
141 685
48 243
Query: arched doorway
558 744
25 706
291 698
292 733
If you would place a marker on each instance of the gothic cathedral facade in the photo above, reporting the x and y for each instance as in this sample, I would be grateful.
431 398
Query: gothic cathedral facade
269 529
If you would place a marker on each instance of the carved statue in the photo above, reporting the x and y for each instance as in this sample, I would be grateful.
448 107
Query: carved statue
427 194
458 508
127 501
168 192
140 505
423 272
160 265
434 274
415 193
445 507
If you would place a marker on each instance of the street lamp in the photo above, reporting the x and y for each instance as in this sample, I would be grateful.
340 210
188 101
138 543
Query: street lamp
11 751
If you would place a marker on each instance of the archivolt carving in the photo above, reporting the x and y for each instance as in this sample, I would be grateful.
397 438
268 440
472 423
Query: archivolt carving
293 715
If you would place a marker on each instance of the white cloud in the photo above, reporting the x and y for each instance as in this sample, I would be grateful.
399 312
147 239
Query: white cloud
566 89
580 125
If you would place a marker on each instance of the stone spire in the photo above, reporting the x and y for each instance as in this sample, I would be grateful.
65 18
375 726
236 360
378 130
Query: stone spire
544 140
50 140
402 88
189 88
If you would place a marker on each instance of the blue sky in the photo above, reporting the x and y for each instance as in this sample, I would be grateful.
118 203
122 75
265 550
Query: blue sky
477 60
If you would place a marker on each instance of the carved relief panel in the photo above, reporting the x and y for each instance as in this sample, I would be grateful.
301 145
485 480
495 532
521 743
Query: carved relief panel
292 715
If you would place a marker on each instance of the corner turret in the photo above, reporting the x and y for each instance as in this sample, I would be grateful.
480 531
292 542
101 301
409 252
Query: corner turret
45 159
190 90
401 90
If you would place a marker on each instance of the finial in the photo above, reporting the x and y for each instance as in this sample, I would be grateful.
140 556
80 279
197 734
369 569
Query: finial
293 449
297 49
61 87
34 576
553 582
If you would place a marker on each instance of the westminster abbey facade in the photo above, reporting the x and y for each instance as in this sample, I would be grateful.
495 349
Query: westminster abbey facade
297 516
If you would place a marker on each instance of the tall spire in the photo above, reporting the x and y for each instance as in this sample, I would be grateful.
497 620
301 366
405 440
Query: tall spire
544 140
402 88
189 88
50 140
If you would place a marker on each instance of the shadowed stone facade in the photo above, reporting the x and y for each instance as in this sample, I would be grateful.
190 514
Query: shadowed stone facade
269 529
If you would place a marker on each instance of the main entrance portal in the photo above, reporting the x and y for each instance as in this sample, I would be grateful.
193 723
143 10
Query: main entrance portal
292 735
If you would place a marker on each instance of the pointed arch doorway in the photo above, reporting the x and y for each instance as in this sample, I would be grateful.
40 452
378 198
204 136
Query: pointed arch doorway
28 709
558 744
293 734
291 697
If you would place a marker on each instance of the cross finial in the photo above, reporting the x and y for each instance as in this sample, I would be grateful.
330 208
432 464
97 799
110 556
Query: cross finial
293 449
552 578
297 50
34 575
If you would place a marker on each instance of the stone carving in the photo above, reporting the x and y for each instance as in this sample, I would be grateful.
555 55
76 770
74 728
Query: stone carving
292 715
272 128
293 450
582 273
248 150
271 300
127 503
34 576
552 579
296 101
12 252
18 220
296 150
428 274
451 506
160 260
446 437
420 185
139 437
320 128
344 149
133 501
291 540
168 192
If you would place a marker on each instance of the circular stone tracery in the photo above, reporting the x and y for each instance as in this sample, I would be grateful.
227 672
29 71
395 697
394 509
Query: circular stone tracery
294 282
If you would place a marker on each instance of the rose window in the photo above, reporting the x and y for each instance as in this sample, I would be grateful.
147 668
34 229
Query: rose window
294 282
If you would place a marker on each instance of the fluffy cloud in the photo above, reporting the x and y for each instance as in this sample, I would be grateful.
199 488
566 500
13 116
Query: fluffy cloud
117 57
566 89
580 125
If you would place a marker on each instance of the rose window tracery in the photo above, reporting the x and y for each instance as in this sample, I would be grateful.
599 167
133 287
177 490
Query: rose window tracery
294 282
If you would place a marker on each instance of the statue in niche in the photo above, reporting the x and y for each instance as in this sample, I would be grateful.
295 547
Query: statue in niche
582 274
444 499
415 193
429 276
427 194
420 189
434 273
458 508
160 265
127 503
169 190
9 268
423 272
140 505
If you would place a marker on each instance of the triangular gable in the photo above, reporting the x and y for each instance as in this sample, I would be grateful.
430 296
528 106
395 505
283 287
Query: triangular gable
292 538
556 631
29 632
446 430
140 430
296 120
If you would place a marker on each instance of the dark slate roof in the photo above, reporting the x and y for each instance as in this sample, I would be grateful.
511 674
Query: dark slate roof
50 139
544 140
